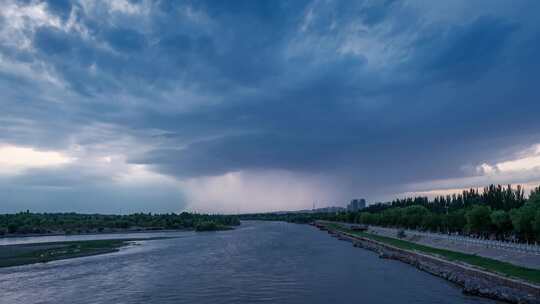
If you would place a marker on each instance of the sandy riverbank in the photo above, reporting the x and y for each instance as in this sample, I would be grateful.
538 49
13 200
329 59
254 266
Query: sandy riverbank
23 254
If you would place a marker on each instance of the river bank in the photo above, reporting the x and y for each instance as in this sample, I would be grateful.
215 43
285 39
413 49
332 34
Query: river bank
104 232
451 266
203 226
33 224
24 254
16 250
516 257
259 262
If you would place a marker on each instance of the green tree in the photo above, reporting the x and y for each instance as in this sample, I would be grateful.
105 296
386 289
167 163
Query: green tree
369 218
414 215
456 220
392 217
501 220
522 220
432 221
536 224
12 228
478 219
534 197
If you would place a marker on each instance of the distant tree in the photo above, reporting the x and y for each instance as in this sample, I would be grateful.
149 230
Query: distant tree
478 219
501 220
432 221
536 224
392 217
414 215
26 222
12 228
522 220
534 197
456 221
206 226
369 218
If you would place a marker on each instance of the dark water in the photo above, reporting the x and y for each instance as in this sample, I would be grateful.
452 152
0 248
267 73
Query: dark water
85 237
257 263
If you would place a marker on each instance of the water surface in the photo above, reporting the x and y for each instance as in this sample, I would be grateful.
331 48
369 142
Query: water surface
260 262
86 237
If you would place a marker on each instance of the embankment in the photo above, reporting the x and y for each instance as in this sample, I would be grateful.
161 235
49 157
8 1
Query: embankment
24 254
473 280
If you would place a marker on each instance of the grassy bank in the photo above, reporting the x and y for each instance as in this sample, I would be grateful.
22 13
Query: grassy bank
487 264
27 223
23 254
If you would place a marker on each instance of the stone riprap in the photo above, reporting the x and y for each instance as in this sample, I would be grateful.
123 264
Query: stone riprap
474 281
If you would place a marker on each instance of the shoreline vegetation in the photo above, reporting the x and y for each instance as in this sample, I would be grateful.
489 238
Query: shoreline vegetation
33 253
40 224
497 212
477 276
483 263
26 224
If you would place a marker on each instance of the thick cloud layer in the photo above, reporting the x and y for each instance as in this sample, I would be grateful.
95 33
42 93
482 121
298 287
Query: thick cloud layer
371 99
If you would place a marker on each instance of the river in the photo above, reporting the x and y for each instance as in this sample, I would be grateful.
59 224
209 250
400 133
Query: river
259 262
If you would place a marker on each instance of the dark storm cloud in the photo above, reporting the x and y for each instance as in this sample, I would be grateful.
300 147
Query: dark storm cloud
424 125
251 85
464 53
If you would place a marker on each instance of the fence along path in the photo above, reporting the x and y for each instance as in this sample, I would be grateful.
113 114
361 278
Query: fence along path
514 246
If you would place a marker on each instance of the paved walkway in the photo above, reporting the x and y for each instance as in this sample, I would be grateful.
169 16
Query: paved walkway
524 259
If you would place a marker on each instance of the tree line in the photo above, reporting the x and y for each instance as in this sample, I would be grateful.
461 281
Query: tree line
497 197
42 223
500 212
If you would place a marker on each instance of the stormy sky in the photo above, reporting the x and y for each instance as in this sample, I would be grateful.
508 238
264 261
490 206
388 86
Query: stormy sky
242 106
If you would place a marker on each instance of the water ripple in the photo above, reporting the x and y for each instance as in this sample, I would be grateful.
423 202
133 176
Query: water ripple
258 263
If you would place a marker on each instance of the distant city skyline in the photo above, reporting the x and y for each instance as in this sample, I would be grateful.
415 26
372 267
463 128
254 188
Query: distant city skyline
251 106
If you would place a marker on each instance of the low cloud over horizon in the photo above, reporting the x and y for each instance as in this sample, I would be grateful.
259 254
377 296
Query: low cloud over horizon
245 106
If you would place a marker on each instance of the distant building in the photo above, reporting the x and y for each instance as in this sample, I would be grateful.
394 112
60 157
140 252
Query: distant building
329 210
362 204
356 204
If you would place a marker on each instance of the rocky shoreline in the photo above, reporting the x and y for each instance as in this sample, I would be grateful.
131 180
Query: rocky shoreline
473 280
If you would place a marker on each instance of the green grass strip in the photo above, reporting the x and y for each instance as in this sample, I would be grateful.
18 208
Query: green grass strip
491 265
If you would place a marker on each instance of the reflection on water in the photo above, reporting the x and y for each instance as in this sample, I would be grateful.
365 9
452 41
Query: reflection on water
256 263
83 237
